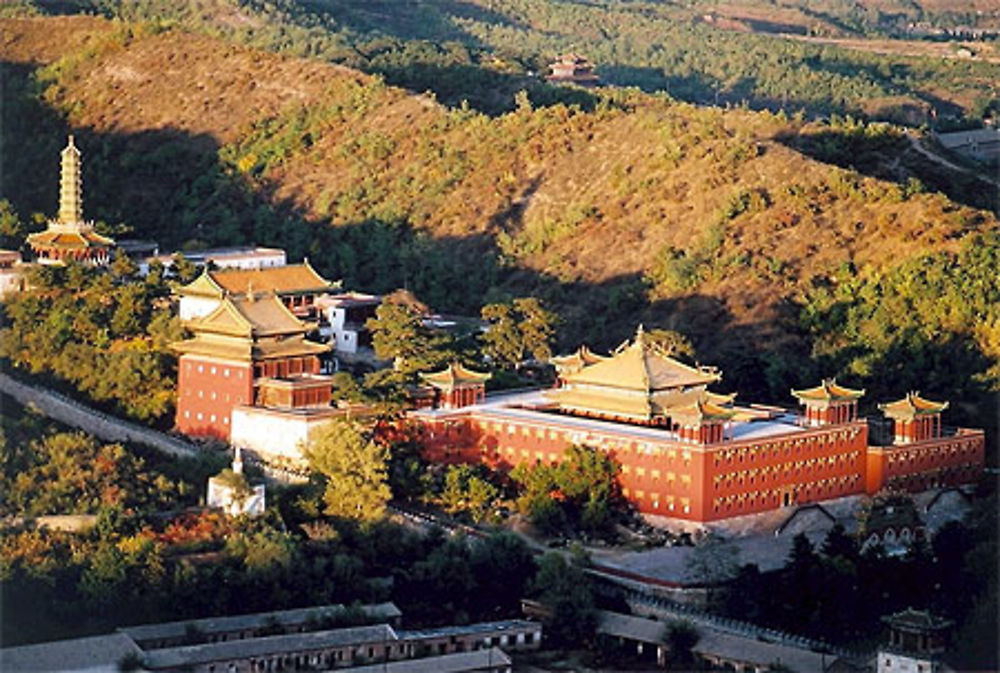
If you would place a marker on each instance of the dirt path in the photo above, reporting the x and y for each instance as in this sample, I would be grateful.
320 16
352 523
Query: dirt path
938 159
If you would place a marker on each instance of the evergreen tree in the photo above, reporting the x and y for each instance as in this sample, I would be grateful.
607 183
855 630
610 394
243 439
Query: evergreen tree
355 469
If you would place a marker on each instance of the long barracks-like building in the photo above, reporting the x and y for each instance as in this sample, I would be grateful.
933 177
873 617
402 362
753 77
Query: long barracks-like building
691 454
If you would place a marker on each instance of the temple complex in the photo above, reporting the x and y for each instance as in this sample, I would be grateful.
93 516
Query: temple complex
249 350
573 69
687 452
296 285
69 236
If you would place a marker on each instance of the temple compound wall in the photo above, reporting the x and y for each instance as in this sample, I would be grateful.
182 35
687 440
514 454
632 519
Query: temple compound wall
691 454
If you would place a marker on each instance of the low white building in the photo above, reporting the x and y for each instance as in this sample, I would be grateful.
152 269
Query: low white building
343 324
224 258
230 491
277 435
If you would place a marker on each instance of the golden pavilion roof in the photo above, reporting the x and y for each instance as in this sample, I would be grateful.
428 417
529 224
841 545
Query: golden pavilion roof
453 376
644 367
250 327
577 360
62 239
911 406
701 410
289 279
629 405
828 391
640 381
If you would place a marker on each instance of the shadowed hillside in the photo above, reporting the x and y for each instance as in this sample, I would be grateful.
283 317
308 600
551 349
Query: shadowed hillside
699 219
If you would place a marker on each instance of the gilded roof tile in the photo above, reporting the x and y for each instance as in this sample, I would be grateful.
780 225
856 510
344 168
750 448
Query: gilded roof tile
289 279
454 375
829 390
911 406
643 367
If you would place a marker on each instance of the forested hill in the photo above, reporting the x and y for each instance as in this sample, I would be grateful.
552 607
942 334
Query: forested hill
717 223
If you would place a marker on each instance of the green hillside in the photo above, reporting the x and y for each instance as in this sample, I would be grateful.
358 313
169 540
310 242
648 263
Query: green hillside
637 208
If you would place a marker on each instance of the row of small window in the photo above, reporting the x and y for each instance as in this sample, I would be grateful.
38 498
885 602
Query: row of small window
214 371
641 448
199 416
929 454
827 487
669 504
965 470
640 473
777 449
212 395
786 469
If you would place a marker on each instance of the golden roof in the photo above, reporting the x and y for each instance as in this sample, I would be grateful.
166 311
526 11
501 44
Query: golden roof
247 350
911 406
828 391
643 367
69 240
289 279
700 411
577 360
622 403
455 375
250 316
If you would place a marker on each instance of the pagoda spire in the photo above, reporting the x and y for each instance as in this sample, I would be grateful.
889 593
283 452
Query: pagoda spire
70 186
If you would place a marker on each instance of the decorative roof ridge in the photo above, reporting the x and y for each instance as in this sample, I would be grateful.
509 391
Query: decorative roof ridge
227 306
455 372
827 389
915 403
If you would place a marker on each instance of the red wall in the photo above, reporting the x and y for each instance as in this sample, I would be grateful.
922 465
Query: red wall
206 395
686 481
944 461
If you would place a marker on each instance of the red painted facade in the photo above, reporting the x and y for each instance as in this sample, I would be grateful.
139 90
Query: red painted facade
714 480
207 391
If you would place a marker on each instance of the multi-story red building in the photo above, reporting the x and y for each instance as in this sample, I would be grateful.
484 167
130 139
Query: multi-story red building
692 454
249 351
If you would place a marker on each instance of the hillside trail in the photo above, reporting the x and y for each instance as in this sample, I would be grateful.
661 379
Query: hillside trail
937 158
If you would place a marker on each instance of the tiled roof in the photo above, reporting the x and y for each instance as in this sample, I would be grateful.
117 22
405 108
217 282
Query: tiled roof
289 279
97 653
829 390
577 360
701 410
292 643
454 375
70 240
643 367
250 316
911 406
917 619
234 623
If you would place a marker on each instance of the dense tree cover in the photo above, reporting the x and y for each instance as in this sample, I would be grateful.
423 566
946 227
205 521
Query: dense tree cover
45 469
930 324
134 568
354 469
563 588
516 329
107 334
484 51
579 493
839 594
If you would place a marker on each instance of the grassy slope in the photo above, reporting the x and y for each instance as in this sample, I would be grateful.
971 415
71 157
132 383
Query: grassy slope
548 192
